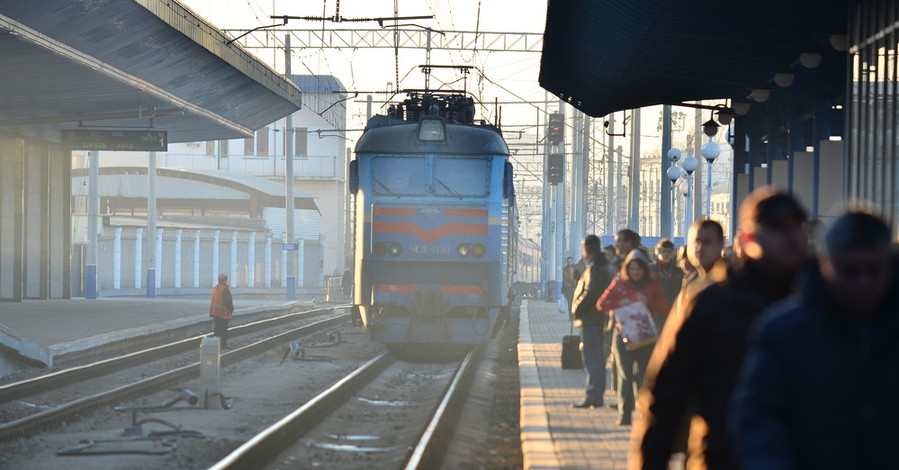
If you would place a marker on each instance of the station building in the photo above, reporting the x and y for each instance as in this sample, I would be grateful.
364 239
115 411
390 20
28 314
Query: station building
148 64
317 141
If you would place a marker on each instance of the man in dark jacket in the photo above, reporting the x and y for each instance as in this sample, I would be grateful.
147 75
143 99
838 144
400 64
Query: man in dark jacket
592 322
695 364
666 270
838 341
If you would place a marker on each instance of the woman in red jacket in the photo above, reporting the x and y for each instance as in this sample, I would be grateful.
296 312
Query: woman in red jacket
634 284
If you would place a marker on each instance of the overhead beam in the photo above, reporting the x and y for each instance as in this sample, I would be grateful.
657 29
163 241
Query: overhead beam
391 38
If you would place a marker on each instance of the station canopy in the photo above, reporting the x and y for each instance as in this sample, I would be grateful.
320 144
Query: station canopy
120 64
604 56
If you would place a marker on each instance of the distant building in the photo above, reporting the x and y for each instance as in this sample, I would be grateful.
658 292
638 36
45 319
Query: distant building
209 222
317 142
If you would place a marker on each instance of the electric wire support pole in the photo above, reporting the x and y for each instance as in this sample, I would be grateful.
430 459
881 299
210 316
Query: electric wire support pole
151 227
93 212
665 194
288 188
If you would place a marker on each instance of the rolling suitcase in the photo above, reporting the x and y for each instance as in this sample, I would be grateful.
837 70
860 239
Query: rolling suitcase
571 352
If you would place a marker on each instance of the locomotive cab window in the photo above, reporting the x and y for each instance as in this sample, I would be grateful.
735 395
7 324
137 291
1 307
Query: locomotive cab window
396 176
461 177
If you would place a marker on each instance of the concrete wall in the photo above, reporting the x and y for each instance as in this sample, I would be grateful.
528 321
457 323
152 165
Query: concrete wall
35 219
830 184
331 198
803 178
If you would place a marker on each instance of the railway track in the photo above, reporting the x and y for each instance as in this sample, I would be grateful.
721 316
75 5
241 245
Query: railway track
71 410
285 442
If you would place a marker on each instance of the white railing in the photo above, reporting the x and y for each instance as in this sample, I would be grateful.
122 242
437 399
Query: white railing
312 167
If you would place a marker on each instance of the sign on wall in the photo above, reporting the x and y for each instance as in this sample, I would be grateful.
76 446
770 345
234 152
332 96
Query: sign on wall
146 141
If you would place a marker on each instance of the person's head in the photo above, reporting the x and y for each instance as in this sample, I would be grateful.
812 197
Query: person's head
771 231
609 251
626 241
223 279
569 260
705 242
590 248
665 251
635 268
856 263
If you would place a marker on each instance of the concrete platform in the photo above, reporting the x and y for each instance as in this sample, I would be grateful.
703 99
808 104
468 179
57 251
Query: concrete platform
42 329
554 435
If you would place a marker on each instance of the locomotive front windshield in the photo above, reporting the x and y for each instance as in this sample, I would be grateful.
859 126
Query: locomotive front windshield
434 176
457 177
400 176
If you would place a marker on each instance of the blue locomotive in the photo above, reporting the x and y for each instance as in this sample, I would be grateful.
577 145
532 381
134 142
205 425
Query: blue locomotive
435 224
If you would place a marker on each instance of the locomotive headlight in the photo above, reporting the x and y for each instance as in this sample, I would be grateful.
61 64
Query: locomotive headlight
462 250
477 251
395 249
431 130
380 249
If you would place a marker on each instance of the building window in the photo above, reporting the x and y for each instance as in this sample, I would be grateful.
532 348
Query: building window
210 147
248 146
223 148
262 142
300 143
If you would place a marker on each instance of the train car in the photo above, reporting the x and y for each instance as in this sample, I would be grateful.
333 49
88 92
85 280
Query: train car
435 225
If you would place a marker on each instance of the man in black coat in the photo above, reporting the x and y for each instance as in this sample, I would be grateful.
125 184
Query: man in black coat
592 322
695 364
820 386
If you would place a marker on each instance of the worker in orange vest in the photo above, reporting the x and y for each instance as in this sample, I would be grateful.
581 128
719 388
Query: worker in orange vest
221 308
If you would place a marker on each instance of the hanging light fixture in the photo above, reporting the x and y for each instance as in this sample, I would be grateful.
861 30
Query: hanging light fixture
784 80
810 60
741 108
710 128
759 95
839 42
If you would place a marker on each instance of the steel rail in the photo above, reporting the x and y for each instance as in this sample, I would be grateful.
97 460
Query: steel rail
431 448
72 375
280 436
273 441
72 409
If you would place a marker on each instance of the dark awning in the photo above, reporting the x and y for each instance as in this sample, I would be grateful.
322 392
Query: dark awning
70 63
609 55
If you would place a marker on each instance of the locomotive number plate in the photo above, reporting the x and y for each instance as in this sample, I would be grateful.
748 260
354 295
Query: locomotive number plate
430 249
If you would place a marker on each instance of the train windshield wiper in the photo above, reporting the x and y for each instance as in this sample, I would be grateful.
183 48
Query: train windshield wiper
385 187
453 192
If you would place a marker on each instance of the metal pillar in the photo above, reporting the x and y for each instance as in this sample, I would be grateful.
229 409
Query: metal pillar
576 211
696 187
93 213
288 184
634 186
611 191
665 192
151 227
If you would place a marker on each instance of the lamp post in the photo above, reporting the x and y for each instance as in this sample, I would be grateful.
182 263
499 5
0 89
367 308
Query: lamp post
689 166
673 173
710 151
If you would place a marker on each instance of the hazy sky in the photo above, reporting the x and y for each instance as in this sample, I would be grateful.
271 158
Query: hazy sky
370 69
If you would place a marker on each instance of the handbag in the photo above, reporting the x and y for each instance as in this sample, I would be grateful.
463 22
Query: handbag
636 325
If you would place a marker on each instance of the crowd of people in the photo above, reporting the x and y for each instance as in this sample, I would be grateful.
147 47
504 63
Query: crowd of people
768 356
